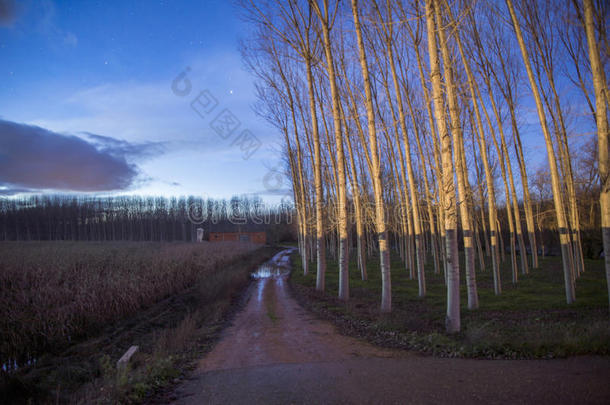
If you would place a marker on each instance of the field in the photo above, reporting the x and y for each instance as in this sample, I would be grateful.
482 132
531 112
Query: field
52 294
528 320
74 308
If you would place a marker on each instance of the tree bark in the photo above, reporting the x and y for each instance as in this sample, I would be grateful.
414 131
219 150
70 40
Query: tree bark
462 177
603 132
419 254
341 184
452 322
320 243
559 208
491 195
380 220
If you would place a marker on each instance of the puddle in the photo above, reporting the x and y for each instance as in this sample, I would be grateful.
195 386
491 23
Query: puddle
276 267
268 271
13 365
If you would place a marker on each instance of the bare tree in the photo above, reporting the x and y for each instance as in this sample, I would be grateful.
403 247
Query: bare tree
458 146
559 207
380 220
603 132
449 202
325 18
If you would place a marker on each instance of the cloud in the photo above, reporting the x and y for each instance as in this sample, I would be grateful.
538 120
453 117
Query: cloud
282 192
35 159
121 148
70 39
8 11
46 13
144 111
151 111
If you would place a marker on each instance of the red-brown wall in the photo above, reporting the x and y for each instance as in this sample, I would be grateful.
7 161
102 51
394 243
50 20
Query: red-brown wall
253 237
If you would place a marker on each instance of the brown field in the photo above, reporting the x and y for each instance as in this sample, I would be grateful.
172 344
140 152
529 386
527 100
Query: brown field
55 293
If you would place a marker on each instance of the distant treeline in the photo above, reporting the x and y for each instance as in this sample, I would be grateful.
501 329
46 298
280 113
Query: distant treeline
134 218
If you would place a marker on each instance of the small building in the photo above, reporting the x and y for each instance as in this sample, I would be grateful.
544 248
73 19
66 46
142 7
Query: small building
251 233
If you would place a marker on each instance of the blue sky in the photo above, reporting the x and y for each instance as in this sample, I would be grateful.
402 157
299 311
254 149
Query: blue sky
102 72
88 84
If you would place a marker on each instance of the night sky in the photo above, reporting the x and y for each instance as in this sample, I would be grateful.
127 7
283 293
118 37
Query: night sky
91 101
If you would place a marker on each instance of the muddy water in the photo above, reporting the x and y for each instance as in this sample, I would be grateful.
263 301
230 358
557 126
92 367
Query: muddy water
274 329
277 353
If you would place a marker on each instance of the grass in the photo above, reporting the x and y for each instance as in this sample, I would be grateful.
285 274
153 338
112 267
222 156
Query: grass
56 292
185 293
528 320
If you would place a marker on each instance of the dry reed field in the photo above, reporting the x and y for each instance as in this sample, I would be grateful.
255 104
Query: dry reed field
53 293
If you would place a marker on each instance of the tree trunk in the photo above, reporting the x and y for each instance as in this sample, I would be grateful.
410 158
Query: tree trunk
380 221
462 177
419 254
559 208
491 194
341 184
603 132
357 207
320 243
436 153
452 322
527 199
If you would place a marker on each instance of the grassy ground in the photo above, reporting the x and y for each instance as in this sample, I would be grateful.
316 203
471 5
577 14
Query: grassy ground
528 320
171 334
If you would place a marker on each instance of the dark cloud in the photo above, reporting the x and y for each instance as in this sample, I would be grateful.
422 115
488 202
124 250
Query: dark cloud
34 159
121 148
8 11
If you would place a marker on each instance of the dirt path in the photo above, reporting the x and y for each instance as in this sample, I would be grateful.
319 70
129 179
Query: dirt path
276 352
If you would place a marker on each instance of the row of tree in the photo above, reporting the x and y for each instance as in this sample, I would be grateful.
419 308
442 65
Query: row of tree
420 104
134 218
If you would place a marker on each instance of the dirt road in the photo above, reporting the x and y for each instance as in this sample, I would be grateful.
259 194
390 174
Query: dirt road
277 353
